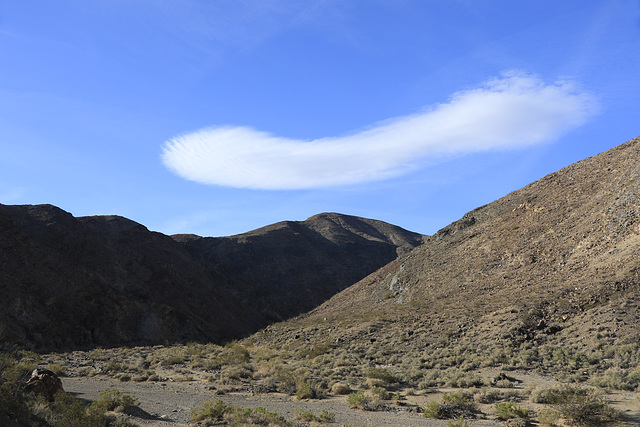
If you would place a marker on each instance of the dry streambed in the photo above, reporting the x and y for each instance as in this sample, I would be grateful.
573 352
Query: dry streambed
170 403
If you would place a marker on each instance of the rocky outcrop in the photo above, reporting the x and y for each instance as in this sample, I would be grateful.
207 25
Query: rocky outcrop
44 383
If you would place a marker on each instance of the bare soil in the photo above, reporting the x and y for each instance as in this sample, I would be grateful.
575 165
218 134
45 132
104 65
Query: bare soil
169 403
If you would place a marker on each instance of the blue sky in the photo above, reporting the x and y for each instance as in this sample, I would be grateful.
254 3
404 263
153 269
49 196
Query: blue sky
219 117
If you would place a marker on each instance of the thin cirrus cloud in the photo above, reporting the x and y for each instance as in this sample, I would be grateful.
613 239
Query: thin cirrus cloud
513 111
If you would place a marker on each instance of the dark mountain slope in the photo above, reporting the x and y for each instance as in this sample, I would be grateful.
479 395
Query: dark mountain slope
555 262
292 267
100 280
106 280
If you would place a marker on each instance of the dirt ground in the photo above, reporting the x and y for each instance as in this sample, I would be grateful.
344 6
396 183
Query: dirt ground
169 403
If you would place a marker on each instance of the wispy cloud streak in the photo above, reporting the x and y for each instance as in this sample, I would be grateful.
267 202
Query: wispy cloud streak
513 111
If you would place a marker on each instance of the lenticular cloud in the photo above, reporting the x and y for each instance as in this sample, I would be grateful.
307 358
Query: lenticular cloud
510 112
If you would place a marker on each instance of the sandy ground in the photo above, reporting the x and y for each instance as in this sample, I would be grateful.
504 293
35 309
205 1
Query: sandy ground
170 404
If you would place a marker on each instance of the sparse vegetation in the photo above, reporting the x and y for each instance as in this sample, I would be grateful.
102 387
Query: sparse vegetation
210 413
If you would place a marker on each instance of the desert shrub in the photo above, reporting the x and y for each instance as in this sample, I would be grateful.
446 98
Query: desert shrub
67 411
340 389
113 366
235 354
57 369
306 415
172 359
453 405
488 396
396 398
153 377
286 379
255 416
113 400
236 373
382 374
99 354
431 380
618 379
508 410
326 416
358 400
541 395
504 384
492 396
364 401
15 369
209 411
314 351
582 406
308 389
548 417
458 379
460 422
380 393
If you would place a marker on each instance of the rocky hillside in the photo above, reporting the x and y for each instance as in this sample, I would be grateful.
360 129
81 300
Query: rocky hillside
105 280
556 262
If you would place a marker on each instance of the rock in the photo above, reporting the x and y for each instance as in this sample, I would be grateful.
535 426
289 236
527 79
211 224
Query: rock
44 383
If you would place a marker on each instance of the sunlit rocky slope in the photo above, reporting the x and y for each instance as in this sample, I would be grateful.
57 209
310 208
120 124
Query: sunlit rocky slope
552 266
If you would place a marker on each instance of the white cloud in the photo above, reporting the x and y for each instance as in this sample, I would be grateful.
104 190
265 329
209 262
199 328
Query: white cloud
513 111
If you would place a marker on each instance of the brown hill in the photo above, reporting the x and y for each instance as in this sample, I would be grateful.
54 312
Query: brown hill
106 280
553 264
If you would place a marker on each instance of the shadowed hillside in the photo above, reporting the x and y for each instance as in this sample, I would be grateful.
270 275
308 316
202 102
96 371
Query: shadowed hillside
106 280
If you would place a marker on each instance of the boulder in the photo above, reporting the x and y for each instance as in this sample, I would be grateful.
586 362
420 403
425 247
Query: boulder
44 383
